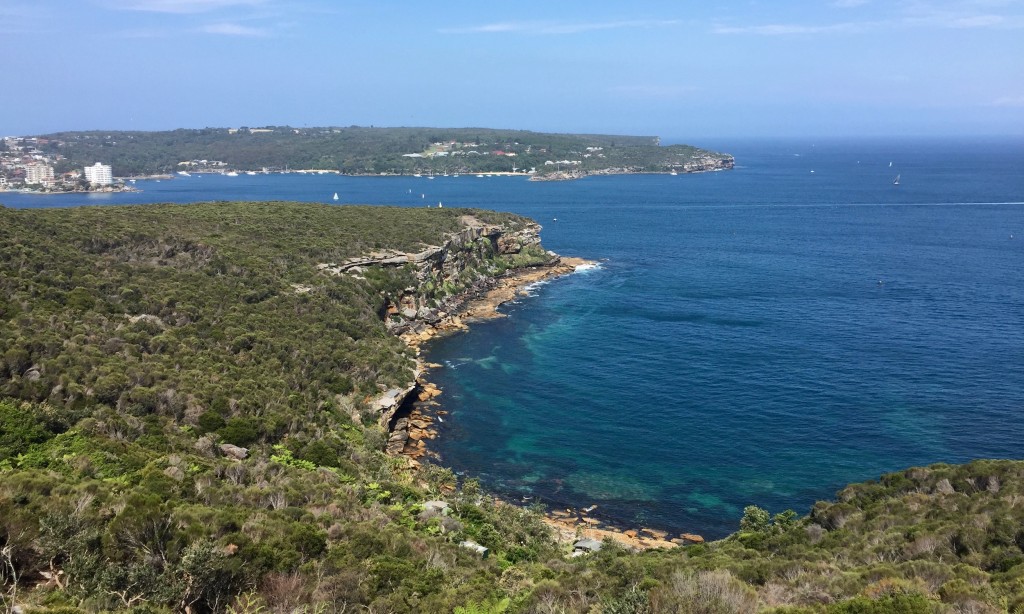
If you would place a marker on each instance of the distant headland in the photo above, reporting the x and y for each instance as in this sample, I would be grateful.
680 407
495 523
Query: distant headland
356 150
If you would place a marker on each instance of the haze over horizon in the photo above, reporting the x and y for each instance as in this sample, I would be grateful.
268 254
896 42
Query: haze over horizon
833 68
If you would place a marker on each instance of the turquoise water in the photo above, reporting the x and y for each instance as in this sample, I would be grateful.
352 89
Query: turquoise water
758 336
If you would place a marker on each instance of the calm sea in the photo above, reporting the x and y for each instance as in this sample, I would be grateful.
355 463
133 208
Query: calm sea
758 336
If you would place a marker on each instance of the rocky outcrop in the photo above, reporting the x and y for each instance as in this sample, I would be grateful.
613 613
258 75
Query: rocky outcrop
233 451
470 262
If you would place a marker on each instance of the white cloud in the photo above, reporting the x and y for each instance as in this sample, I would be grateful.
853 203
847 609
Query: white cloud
181 6
936 15
783 29
962 14
233 29
559 28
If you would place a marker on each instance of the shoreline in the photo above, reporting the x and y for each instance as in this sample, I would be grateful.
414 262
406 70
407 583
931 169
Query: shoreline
126 190
567 524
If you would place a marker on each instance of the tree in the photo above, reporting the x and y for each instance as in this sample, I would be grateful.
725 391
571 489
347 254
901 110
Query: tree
755 519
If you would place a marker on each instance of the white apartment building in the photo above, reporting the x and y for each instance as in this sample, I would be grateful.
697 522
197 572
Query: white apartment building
99 174
37 172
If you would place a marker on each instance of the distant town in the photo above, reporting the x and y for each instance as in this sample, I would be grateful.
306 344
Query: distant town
59 162
26 167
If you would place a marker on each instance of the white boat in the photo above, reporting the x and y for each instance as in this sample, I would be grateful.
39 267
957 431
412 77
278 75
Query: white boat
184 174
673 173
896 181
335 197
250 172
232 174
417 175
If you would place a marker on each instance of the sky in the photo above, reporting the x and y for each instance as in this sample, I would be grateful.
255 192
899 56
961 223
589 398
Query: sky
677 69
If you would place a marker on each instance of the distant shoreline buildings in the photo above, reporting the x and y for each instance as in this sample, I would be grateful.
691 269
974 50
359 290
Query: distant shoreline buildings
99 174
38 173
24 164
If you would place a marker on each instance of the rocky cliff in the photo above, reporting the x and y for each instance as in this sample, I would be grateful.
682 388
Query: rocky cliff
467 264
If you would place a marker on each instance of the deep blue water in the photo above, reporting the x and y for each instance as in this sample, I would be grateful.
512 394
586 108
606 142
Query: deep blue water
757 336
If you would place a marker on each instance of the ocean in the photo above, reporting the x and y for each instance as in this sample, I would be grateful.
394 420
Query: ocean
760 336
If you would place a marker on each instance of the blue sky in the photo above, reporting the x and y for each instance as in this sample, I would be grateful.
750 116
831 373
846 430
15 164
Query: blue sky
676 69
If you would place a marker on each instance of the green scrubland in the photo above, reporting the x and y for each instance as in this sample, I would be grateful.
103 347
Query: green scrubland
135 342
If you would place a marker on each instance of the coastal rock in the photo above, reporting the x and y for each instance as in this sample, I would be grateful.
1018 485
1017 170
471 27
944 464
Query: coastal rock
437 507
508 245
587 545
233 451
431 253
943 487
691 538
426 314
397 440
175 473
388 403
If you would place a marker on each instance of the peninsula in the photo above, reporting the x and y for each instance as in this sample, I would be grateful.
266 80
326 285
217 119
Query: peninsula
197 403
358 150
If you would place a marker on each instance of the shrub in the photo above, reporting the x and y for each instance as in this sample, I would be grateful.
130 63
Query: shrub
240 432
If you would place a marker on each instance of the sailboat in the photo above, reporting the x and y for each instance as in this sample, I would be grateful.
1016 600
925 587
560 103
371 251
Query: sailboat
896 181
335 196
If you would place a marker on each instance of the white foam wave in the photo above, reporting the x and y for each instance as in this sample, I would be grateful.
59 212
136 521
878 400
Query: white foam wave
529 289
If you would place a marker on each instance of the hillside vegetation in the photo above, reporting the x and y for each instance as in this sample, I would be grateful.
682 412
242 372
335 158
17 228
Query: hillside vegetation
359 150
142 348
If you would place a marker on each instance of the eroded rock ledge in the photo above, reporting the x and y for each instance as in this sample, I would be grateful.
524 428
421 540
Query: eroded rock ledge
473 271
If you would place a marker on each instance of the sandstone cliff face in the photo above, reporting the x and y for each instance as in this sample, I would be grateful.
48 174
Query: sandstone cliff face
469 262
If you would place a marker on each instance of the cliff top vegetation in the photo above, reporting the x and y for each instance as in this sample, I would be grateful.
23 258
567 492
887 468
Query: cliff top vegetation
142 348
